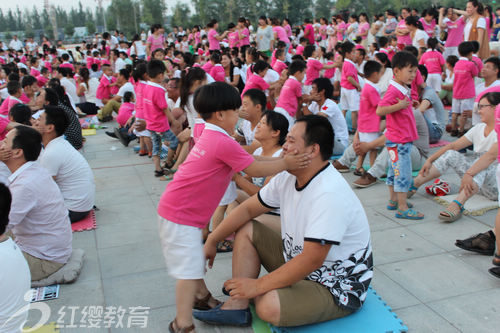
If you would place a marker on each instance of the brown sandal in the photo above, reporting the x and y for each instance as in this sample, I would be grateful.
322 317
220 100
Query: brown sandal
202 304
178 329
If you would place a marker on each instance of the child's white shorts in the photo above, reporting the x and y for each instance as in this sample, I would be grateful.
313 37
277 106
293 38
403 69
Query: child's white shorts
142 133
434 81
461 105
349 99
368 137
182 247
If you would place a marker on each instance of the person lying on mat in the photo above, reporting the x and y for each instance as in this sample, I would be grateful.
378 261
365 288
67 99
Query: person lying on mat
474 179
320 266
65 164
38 220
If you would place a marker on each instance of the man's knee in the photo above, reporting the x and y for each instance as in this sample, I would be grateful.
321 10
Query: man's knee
246 231
267 307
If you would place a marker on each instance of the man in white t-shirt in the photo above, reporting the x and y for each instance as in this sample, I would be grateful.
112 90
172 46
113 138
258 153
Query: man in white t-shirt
253 104
15 44
491 75
320 266
65 164
323 105
113 105
14 275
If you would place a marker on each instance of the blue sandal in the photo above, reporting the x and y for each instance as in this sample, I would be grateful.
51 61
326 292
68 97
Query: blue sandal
409 214
393 205
412 190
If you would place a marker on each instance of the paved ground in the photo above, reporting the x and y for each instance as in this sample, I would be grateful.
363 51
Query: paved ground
430 284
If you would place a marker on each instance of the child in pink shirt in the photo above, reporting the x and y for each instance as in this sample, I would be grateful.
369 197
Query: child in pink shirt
43 78
314 66
368 120
256 79
329 73
464 89
126 109
401 131
302 45
350 88
104 89
290 98
15 91
158 115
217 71
279 65
433 60
208 169
145 144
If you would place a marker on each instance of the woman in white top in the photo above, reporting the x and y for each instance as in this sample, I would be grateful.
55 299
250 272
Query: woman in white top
232 72
138 48
86 91
271 133
387 74
418 35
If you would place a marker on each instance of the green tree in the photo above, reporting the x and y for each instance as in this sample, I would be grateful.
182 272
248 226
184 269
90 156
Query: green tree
322 8
153 11
181 14
28 32
91 28
36 19
69 30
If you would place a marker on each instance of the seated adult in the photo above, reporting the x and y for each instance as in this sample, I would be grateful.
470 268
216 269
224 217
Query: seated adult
55 96
65 164
86 91
15 273
323 105
418 154
253 105
482 136
39 221
433 110
113 105
320 266
271 133
491 75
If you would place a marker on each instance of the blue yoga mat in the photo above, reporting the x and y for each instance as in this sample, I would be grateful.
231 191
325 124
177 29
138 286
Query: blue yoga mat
374 317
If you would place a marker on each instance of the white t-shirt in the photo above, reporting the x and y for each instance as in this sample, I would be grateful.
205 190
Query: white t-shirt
336 119
420 34
113 42
481 143
481 24
271 76
245 130
15 283
4 173
138 48
70 89
385 80
326 211
119 64
72 174
126 87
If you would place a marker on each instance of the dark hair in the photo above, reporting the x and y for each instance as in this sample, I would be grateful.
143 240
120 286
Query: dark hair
21 113
465 48
5 202
28 80
371 67
413 21
423 71
29 141
383 58
51 96
296 66
231 25
259 66
496 63
13 87
14 76
216 57
404 59
492 97
324 84
127 96
475 45
65 56
154 27
452 60
479 5
139 71
188 77
432 43
207 99
382 41
346 47
155 68
309 50
319 130
253 52
56 116
125 73
257 97
278 122
411 49
279 53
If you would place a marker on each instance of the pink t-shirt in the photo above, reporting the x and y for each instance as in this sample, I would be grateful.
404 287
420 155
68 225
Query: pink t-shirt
341 27
139 108
406 39
288 30
492 89
67 65
478 62
363 28
34 72
246 37
429 28
41 80
455 32
330 72
213 42
103 90
281 34
207 67
348 70
368 121
233 38
273 58
24 99
310 30
3 126
433 60
289 95
463 83
198 186
401 126
218 73
497 128
7 104
299 50
154 105
279 66
255 82
156 42
124 113
197 39
198 128
415 84
314 66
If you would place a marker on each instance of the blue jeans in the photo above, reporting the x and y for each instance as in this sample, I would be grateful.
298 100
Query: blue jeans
435 132
156 138
399 172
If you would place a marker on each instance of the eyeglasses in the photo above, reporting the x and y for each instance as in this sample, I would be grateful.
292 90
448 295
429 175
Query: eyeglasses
481 106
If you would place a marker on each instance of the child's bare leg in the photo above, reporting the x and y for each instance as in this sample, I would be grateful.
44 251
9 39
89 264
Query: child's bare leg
462 120
392 194
354 120
156 161
373 157
361 159
185 293
148 143
142 145
402 205
182 154
170 155
454 117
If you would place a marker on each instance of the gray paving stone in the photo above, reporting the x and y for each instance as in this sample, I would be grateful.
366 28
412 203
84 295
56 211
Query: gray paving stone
420 318
394 294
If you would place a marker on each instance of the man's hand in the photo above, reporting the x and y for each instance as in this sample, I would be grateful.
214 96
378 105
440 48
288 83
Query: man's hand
297 161
362 148
243 288
5 154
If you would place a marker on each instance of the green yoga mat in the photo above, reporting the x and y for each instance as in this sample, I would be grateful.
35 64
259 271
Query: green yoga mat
258 325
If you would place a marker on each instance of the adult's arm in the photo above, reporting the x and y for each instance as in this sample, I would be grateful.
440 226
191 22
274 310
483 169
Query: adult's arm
482 163
455 145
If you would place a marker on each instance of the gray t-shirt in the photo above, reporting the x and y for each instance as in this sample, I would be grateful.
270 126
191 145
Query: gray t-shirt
264 38
436 113
422 143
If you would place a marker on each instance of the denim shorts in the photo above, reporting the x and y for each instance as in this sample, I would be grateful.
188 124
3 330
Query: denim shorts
156 138
399 172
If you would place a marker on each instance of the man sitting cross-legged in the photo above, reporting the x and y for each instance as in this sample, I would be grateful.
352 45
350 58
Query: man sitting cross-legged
320 266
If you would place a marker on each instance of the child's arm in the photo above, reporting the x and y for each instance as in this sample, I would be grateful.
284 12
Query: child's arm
169 115
268 168
354 82
383 110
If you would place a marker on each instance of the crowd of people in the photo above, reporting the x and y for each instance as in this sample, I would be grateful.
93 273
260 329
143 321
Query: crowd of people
244 124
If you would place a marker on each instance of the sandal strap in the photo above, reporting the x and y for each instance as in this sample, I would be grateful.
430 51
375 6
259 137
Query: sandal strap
409 212
460 205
